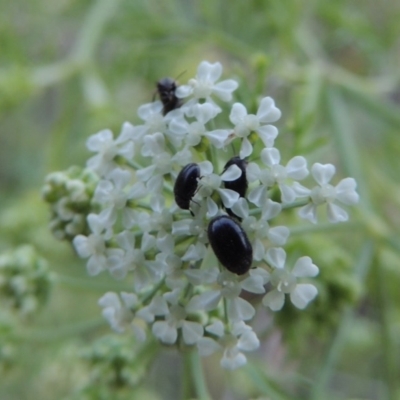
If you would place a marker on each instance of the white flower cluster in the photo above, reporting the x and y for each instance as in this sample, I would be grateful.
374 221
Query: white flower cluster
179 289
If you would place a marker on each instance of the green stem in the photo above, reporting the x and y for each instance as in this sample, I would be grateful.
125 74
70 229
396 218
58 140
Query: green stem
92 29
295 204
148 296
198 379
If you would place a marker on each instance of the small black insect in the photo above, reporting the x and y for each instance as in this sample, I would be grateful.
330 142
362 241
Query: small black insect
230 244
186 185
239 185
166 88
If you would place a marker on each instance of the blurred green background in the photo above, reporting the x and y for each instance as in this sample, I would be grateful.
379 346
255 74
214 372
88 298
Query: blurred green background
69 68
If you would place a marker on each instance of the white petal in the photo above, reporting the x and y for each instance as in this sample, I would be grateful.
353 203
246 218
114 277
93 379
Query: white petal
300 190
229 197
252 172
207 346
146 173
201 276
110 299
181 227
278 235
322 173
179 126
96 223
346 191
336 213
129 299
146 111
304 267
206 168
232 362
225 88
232 173
287 193
303 294
205 112
268 134
96 142
258 195
270 156
246 148
240 310
238 112
267 112
274 300
183 91
158 306
192 332
276 256
212 207
309 212
80 243
296 168
206 301
120 177
241 208
163 331
209 72
248 341
254 284
127 133
216 328
96 264
218 137
258 250
271 209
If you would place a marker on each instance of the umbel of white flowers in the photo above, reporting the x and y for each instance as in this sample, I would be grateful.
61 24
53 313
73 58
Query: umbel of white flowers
180 292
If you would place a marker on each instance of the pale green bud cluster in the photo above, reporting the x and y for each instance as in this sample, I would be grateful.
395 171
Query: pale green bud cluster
25 280
70 195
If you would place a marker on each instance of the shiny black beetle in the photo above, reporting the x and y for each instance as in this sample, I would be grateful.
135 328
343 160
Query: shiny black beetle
186 185
230 244
240 184
166 88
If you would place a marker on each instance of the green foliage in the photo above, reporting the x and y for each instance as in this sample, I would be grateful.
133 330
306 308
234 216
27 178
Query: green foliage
69 68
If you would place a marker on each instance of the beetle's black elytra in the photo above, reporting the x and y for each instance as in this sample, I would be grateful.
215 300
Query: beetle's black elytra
240 184
166 90
230 244
186 185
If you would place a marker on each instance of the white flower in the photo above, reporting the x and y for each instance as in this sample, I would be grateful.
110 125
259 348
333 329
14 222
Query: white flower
167 330
162 164
193 132
211 182
247 123
146 271
259 228
325 193
111 194
118 314
93 246
296 169
285 281
240 338
203 86
107 149
238 309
